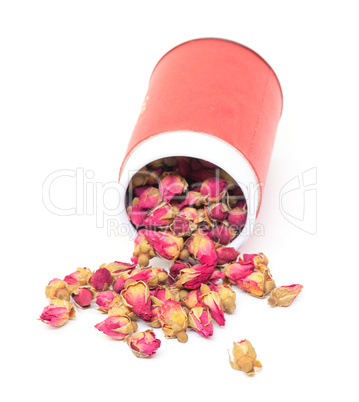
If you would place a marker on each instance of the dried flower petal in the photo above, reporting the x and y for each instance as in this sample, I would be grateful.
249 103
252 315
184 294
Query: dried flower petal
144 344
117 327
283 296
244 358
200 320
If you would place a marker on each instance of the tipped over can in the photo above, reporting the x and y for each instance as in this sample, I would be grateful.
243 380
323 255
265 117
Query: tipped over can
215 100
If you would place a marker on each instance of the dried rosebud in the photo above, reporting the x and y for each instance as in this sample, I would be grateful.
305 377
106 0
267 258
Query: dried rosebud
183 167
120 309
171 184
161 216
176 268
144 344
212 300
194 198
135 213
101 279
244 358
238 271
192 299
200 320
203 249
221 234
117 327
192 278
139 190
283 296
227 296
226 255
161 294
216 276
218 212
201 175
165 244
237 218
154 177
185 222
257 284
214 188
106 300
258 260
58 289
83 297
140 178
79 277
143 251
117 267
155 322
136 296
57 313
150 198
174 320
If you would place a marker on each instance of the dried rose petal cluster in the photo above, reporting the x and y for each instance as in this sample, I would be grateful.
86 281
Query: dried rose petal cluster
179 196
196 290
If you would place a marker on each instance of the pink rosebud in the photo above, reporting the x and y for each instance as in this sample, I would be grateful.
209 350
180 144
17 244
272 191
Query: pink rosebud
192 278
136 296
203 249
193 198
142 275
283 296
212 300
150 198
165 244
101 279
57 313
144 344
193 299
176 268
216 276
226 255
200 320
106 300
185 222
238 271
221 234
82 297
117 327
237 218
136 214
218 212
174 320
214 188
140 190
161 216
172 184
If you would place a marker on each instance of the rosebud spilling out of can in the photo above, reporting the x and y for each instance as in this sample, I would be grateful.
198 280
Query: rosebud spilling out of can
199 154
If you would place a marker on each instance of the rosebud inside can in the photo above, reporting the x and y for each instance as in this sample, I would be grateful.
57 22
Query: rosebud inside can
211 104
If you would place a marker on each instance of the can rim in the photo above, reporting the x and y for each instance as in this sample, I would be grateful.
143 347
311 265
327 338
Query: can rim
230 41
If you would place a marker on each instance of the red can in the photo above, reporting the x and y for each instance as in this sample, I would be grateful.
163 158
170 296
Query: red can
212 99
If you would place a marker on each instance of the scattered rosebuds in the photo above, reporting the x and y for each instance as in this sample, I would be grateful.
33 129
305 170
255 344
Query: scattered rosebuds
144 344
57 313
244 358
284 295
117 327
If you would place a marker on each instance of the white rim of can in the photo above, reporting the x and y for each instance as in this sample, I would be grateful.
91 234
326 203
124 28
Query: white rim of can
196 145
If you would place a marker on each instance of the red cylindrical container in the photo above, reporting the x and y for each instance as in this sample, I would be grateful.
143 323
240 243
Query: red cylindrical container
212 99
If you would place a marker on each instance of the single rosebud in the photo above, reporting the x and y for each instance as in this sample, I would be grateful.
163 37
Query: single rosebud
212 300
106 300
257 284
155 322
140 178
244 358
227 296
57 313
79 277
120 309
260 261
238 271
171 184
283 296
200 320
214 188
154 177
117 327
226 255
136 296
160 217
139 190
192 278
101 279
185 222
176 268
174 320
203 249
150 198
183 167
222 234
144 344
237 218
218 212
143 251
193 198
161 294
58 289
83 297
165 244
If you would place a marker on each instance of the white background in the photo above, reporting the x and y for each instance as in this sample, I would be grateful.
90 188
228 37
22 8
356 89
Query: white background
73 75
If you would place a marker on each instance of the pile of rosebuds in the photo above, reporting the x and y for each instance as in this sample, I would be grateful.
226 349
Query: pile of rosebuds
192 232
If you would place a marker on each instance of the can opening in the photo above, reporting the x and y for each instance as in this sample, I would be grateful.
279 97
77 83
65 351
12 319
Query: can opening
184 195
